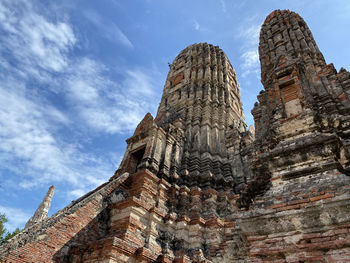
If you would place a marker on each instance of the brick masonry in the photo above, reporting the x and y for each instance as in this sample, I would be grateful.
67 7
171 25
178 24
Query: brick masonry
196 186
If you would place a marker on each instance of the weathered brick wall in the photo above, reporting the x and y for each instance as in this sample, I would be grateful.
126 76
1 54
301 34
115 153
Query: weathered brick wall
49 240
304 219
284 197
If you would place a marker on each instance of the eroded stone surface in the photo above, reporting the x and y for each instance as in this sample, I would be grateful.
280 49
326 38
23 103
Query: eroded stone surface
41 213
196 186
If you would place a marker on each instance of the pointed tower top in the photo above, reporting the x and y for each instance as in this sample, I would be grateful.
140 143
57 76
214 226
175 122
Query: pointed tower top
146 124
285 39
201 75
41 213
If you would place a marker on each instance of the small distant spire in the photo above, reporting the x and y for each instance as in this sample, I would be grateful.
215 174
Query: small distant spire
41 213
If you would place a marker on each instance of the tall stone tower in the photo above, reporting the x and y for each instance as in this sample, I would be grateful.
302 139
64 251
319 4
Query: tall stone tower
202 89
200 105
195 186
303 98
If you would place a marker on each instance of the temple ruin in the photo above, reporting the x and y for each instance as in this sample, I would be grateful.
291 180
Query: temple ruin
195 185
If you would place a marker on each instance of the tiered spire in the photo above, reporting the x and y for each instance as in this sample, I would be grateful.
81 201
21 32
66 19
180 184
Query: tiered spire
298 83
43 209
199 110
202 91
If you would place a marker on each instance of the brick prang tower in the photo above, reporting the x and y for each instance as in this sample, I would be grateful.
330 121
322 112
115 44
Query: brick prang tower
199 108
196 186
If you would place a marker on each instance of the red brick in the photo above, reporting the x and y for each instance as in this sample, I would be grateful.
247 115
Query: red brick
320 197
277 206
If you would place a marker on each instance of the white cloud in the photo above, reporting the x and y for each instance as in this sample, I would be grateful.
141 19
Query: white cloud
37 44
105 105
223 5
35 60
196 25
29 144
109 29
120 36
250 57
76 193
249 51
138 82
250 60
45 49
16 217
250 35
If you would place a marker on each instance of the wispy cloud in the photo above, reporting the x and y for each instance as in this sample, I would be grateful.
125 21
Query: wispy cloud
33 40
76 193
196 25
250 60
109 29
29 145
83 82
36 64
249 51
104 105
250 34
18 217
138 82
223 5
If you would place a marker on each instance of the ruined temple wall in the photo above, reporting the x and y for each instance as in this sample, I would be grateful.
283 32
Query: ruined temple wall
299 86
201 189
304 219
48 240
298 197
159 221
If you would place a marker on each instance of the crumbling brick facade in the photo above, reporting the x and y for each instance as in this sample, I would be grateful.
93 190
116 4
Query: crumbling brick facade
196 186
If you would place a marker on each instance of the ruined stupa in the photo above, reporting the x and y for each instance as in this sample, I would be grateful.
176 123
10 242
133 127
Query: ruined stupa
195 185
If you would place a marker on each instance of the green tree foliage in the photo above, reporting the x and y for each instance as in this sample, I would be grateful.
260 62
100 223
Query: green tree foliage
4 234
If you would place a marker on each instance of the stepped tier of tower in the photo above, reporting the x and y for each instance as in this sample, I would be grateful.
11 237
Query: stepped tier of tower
195 186
298 83
303 113
202 89
199 108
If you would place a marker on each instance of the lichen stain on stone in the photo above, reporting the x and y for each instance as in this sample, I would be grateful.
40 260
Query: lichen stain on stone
195 185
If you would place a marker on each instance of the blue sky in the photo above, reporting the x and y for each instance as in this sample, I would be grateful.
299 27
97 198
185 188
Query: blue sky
76 77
